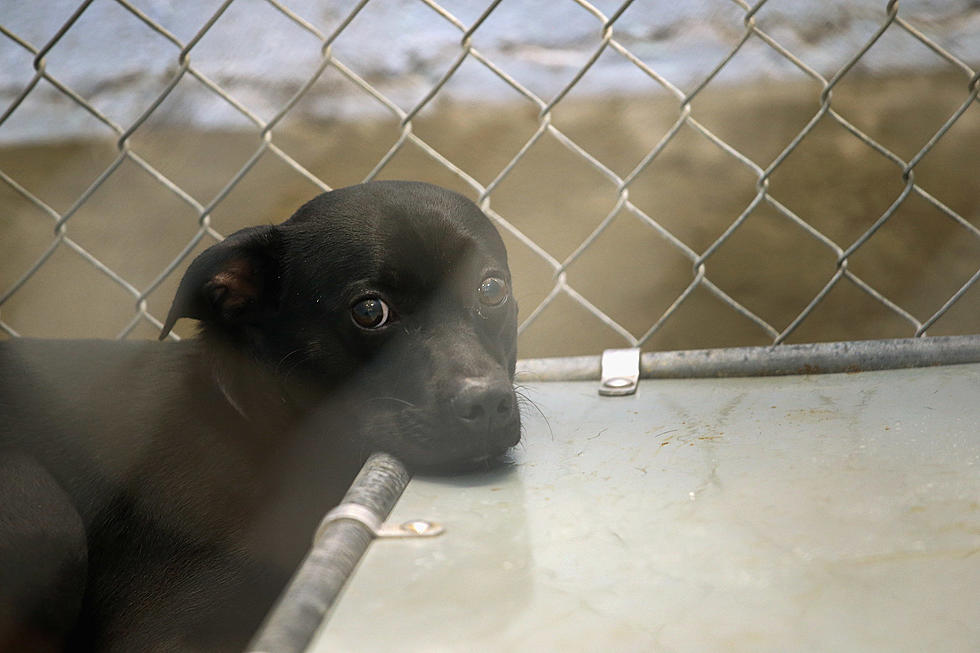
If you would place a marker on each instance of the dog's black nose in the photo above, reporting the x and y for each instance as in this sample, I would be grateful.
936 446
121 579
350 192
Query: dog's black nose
482 402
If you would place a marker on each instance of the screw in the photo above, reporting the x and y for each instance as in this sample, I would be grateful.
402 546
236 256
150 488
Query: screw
617 382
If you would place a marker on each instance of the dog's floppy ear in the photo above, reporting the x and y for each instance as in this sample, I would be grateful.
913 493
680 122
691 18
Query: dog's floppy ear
232 282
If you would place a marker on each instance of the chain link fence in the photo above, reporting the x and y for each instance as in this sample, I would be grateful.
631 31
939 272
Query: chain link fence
623 271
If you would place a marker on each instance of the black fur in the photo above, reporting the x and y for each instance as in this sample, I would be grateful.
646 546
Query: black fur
157 496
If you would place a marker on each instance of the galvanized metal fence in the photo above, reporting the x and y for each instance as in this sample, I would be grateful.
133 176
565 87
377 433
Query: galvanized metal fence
752 32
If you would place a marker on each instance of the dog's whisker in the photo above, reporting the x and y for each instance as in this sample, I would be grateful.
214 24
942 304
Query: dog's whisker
393 400
286 357
525 401
295 364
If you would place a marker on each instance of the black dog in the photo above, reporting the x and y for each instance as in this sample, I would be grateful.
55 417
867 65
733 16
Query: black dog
157 496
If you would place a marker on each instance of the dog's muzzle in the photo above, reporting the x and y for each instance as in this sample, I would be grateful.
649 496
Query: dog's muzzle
482 404
485 420
468 428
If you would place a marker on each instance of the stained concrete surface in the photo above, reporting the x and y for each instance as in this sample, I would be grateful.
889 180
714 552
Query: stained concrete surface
808 513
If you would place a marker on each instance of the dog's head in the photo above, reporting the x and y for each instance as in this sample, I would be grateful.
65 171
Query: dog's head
397 294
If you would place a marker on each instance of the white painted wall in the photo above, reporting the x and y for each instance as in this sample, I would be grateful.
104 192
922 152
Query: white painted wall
402 47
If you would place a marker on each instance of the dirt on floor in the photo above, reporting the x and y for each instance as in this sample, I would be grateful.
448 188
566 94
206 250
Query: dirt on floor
770 264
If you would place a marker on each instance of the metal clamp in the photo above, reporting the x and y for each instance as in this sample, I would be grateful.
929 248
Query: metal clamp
365 516
620 372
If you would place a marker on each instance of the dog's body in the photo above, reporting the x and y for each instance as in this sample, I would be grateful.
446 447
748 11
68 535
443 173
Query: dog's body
157 496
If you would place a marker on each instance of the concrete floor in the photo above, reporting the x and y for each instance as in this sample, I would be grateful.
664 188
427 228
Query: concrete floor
808 513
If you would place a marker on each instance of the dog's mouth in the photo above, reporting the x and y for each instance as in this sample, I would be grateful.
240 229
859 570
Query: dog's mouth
430 444
484 463
441 434
447 453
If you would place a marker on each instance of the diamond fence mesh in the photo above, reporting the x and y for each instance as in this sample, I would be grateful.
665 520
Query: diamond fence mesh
624 271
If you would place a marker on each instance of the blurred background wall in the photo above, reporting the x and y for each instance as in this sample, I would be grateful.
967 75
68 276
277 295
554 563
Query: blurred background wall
804 171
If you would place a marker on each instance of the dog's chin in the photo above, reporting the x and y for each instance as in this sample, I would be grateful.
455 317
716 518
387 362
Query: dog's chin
447 457
484 463
425 446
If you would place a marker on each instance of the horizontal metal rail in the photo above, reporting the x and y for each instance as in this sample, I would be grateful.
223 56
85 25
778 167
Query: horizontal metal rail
337 549
818 358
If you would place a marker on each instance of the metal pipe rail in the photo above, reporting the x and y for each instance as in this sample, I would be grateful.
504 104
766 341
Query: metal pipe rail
336 550
781 360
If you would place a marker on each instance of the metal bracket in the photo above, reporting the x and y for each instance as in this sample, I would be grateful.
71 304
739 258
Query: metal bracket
620 372
365 516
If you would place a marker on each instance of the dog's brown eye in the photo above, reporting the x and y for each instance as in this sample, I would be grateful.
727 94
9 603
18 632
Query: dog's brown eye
370 313
493 291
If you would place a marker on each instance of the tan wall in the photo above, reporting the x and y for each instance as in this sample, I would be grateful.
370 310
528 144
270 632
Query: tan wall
840 186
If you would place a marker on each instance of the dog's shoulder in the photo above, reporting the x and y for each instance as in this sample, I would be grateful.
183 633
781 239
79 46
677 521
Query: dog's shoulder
69 369
84 389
